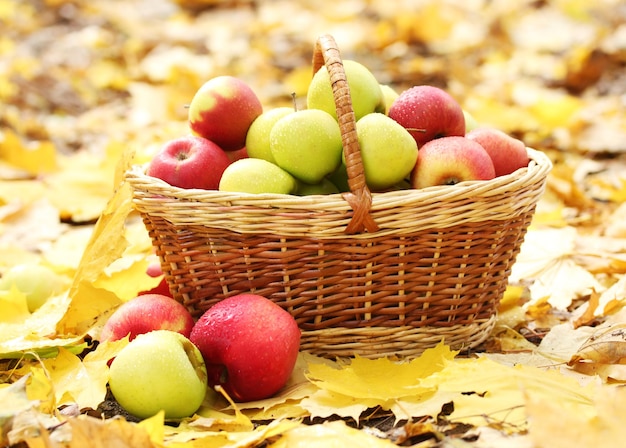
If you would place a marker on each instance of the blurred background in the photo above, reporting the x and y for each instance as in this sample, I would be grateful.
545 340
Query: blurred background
77 75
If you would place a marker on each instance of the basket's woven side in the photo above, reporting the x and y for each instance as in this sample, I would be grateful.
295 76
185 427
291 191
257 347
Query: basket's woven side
444 277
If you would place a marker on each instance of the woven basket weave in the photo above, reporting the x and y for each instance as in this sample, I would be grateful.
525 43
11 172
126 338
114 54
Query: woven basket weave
373 274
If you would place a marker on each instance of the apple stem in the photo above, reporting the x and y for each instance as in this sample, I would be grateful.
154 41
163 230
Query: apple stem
295 105
416 129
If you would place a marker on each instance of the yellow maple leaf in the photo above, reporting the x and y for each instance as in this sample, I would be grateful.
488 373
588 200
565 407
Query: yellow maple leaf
36 158
329 435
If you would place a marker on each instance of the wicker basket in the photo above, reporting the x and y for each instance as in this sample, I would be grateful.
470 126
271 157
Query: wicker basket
382 274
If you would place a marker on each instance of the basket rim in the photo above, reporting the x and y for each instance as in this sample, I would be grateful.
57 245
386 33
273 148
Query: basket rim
440 206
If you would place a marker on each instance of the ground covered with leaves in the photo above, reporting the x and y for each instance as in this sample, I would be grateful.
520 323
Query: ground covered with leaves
87 88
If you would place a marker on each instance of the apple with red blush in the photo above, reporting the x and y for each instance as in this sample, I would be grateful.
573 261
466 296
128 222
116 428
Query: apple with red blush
146 313
249 345
428 113
450 160
154 270
222 110
507 153
189 162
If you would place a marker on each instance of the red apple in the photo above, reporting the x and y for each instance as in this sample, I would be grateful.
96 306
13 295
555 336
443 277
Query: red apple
238 154
154 270
147 313
249 345
189 162
222 111
450 160
428 113
507 153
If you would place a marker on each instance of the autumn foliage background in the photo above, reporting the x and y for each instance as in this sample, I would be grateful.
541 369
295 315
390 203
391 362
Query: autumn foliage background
87 88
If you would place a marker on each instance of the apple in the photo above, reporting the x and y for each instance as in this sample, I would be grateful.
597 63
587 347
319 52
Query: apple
154 270
390 95
37 282
222 111
307 144
470 121
249 345
258 138
388 151
145 313
365 91
257 176
339 177
324 187
160 370
507 153
238 154
428 112
189 162
450 160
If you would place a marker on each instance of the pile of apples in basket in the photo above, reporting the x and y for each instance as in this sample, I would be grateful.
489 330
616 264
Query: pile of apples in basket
418 138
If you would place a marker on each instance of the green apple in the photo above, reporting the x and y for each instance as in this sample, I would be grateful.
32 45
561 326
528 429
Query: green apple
256 176
37 282
390 95
339 177
159 370
258 138
470 121
365 91
323 187
307 144
388 151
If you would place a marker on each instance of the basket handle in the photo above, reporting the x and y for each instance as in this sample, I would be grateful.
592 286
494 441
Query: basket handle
359 197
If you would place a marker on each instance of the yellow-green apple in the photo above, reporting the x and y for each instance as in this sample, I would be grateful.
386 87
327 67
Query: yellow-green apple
388 151
470 121
450 160
323 187
154 270
307 144
189 162
257 176
390 95
145 313
258 138
507 153
365 91
428 112
160 370
339 177
249 345
222 111
37 282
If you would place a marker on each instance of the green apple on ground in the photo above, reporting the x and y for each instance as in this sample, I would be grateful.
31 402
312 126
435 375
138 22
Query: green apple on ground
507 153
324 187
257 176
428 113
222 111
390 95
258 138
36 281
365 91
145 313
388 151
450 160
307 144
470 121
159 370
154 270
249 345
189 162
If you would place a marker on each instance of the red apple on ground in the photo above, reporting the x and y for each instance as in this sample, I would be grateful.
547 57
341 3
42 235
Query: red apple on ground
450 160
428 113
154 270
249 345
507 153
222 111
146 313
189 162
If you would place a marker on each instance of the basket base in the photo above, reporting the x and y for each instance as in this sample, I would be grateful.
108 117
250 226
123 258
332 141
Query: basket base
394 342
